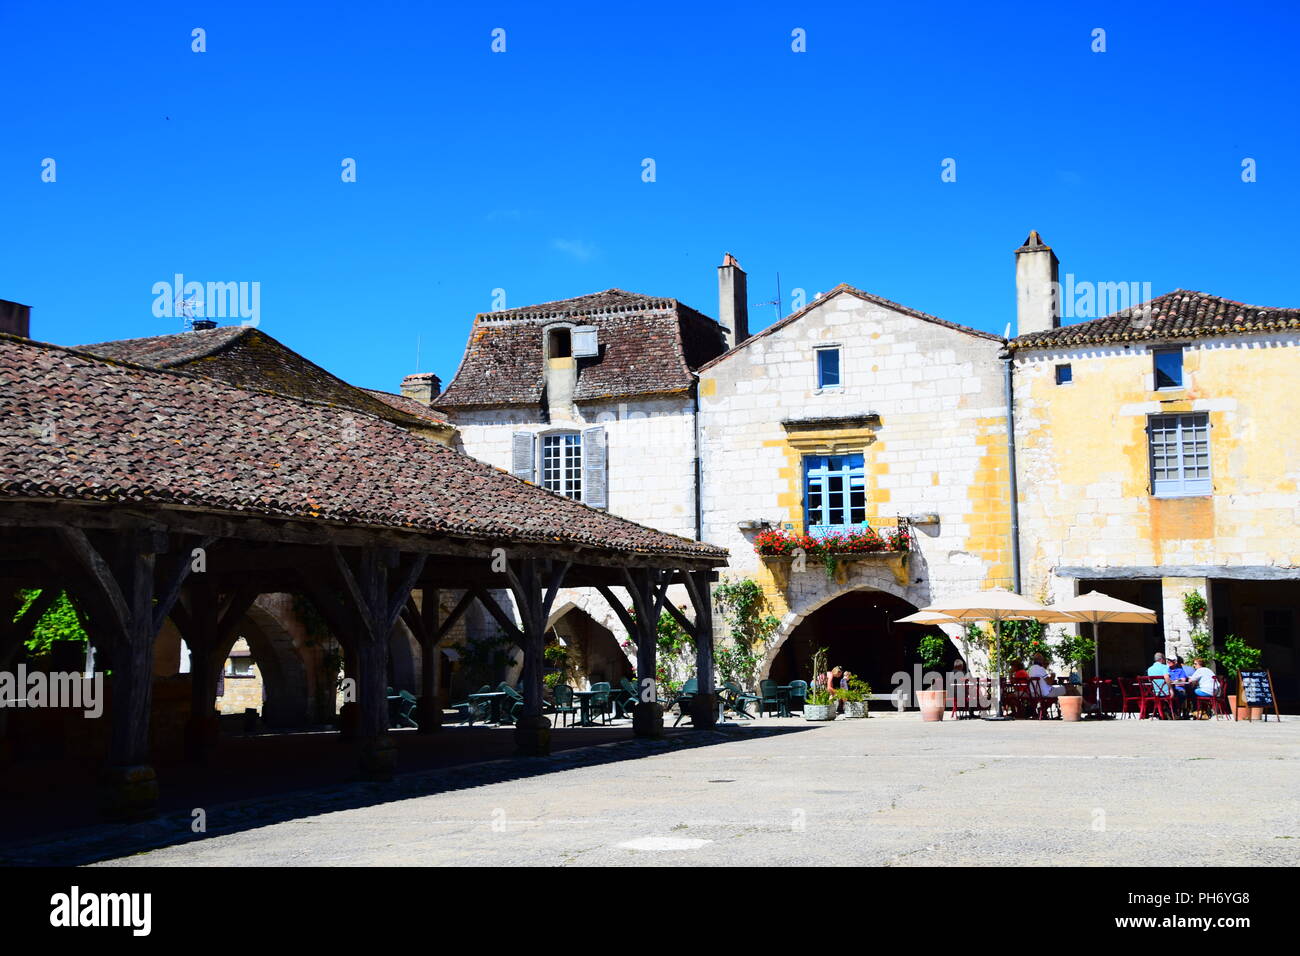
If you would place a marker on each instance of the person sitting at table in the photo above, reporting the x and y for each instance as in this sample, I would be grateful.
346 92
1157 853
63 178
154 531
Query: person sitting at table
1202 679
1178 676
1038 671
1159 669
959 670
1018 669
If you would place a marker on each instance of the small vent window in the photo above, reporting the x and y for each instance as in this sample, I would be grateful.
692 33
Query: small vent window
560 345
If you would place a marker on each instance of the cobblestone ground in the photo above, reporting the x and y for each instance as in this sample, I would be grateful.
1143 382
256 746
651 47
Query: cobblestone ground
886 791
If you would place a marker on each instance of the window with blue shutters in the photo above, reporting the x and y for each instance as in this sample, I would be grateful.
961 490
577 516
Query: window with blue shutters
828 368
835 493
1180 455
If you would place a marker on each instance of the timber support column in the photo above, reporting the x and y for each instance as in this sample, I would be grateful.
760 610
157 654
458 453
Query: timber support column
206 621
376 602
647 589
534 582
130 608
424 624
704 706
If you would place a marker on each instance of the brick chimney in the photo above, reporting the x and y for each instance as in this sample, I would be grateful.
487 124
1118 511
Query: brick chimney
733 307
423 387
1038 308
16 319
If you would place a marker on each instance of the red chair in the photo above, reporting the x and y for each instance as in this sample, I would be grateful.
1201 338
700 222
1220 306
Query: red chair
1129 694
1039 703
1216 705
1100 688
1015 697
1150 696
965 697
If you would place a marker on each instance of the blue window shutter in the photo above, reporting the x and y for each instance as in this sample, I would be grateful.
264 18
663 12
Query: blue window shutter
594 467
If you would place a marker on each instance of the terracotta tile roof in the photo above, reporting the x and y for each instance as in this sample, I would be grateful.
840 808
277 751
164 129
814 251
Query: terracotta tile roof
127 433
249 358
408 405
842 288
647 346
1180 314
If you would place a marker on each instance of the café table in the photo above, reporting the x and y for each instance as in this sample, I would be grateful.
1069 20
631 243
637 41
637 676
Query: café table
584 703
783 699
494 699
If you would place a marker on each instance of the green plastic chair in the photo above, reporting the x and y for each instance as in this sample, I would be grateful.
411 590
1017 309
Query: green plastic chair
798 695
683 700
562 705
737 700
600 699
769 698
633 697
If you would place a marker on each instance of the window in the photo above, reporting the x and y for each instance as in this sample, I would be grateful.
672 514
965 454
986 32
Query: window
239 666
562 464
828 368
1169 368
560 344
1180 454
1064 375
835 494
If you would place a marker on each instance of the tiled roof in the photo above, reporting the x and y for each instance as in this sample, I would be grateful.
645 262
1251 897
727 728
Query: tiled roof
647 346
249 358
1180 314
408 405
864 296
127 433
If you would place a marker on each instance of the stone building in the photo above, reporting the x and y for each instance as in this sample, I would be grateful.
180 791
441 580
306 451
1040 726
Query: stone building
1158 455
857 412
593 398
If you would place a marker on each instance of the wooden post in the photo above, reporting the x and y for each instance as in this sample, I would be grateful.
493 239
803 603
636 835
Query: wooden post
534 583
375 602
130 608
704 707
647 590
207 621
424 623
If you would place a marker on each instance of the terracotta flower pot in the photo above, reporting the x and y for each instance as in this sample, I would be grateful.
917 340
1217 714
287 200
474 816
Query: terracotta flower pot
1070 707
932 704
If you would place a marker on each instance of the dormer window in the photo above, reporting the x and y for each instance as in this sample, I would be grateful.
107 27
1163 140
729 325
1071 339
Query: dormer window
559 344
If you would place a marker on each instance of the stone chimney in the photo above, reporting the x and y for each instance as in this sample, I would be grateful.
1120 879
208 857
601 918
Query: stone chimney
1038 307
424 387
15 319
733 307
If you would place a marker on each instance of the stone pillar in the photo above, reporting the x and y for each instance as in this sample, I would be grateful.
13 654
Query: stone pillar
1178 628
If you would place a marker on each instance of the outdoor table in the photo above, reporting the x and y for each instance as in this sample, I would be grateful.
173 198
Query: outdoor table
584 702
494 704
783 699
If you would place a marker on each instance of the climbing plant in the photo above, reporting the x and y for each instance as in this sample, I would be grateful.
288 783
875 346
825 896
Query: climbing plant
750 626
62 622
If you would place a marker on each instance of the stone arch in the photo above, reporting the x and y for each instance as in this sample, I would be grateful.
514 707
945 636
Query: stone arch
284 672
815 590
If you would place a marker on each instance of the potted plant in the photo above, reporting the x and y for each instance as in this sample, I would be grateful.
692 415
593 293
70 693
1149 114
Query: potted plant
820 703
1234 657
855 697
931 703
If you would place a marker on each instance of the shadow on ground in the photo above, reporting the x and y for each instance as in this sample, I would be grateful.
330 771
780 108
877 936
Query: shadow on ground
256 782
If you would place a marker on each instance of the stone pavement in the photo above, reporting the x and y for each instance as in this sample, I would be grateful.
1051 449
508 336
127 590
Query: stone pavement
886 791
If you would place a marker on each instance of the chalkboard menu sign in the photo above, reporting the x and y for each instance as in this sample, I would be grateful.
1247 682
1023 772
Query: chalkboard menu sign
1255 689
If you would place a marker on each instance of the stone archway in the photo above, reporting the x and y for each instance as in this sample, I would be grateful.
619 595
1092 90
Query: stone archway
283 670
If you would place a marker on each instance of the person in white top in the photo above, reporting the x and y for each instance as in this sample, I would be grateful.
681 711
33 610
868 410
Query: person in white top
1202 679
1038 672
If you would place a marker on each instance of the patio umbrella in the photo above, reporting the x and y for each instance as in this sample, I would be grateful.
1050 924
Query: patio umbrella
995 605
1096 608
925 617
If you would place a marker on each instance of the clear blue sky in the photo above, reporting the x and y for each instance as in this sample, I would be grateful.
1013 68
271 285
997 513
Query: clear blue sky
522 170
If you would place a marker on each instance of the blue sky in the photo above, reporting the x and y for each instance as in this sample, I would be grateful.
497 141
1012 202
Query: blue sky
522 170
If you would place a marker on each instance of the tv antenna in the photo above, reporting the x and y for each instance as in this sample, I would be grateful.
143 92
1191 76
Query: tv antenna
777 301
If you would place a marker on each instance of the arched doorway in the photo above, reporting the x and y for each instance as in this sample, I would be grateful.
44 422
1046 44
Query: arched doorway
859 631
593 651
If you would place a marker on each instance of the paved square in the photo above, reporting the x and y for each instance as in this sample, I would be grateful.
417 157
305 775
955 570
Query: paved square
886 791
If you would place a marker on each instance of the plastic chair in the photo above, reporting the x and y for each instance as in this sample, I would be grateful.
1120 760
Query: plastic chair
736 700
1038 703
562 703
683 699
633 697
1149 696
769 697
600 699
798 696
472 710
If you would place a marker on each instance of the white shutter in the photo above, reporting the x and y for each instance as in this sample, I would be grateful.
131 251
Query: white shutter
594 463
584 342
523 460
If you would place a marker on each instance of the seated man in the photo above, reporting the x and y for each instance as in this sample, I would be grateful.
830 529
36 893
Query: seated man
1038 671
1159 670
1178 677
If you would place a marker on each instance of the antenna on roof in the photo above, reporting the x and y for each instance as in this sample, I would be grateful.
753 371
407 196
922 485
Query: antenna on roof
777 301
